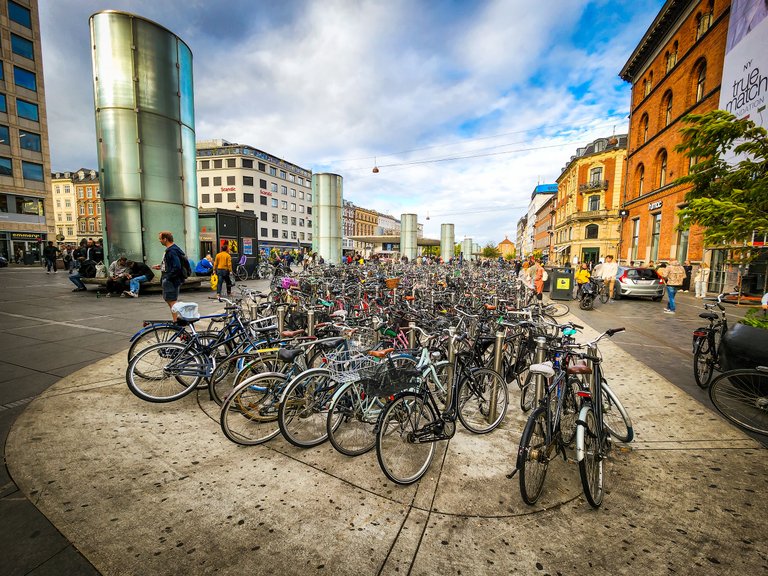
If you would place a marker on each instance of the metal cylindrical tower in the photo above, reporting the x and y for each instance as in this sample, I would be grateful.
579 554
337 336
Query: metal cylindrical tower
327 205
475 248
447 241
145 130
466 248
408 230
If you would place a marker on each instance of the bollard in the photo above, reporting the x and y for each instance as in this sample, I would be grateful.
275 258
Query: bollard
394 295
451 363
539 357
498 354
495 301
412 335
253 311
281 311
310 322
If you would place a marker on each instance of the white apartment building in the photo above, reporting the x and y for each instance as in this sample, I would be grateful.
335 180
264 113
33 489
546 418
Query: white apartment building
242 178
64 208
541 194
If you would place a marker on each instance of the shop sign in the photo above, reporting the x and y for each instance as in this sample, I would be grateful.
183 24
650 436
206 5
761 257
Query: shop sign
248 246
33 236
229 188
265 192
654 205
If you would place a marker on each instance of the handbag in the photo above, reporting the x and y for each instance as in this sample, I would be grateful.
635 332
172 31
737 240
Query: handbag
214 280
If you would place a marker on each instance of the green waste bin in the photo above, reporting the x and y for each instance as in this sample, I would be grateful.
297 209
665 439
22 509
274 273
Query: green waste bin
561 284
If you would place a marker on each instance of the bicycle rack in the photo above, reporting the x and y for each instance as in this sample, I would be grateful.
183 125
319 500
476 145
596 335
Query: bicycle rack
539 356
497 355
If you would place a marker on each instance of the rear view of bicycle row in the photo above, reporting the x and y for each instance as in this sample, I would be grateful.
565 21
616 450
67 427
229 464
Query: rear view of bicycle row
369 362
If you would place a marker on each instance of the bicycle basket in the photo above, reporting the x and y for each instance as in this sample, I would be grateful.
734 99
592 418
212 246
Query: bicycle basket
392 283
386 380
346 365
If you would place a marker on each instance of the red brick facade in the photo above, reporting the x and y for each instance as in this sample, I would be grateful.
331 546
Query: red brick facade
679 74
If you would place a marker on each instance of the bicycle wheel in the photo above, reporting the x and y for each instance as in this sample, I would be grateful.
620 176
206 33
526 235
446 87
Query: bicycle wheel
241 273
402 459
615 417
556 309
532 460
231 372
155 335
742 397
249 414
303 411
604 296
476 394
570 410
440 386
703 363
352 417
164 372
586 302
589 453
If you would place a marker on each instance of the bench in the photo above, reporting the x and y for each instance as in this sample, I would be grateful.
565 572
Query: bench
191 283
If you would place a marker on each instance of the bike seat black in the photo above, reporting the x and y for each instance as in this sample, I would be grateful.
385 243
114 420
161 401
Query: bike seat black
330 344
289 354
186 322
708 315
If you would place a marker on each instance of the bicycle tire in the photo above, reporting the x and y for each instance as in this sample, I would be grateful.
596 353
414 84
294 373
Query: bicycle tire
590 457
249 414
154 335
401 459
164 372
741 396
615 417
556 309
474 400
527 391
532 461
703 363
241 274
604 296
570 410
586 303
303 410
231 372
352 418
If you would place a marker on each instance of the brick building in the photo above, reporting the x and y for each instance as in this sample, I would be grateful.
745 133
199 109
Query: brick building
675 70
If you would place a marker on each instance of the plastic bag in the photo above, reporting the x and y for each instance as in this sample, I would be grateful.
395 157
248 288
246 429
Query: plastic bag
214 281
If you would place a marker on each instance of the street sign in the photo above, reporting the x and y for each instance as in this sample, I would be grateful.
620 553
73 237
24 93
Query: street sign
60 237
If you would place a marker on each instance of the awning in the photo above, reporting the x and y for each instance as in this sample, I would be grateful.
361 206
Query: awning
561 248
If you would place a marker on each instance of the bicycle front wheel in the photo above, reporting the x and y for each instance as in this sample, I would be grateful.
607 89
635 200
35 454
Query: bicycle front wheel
402 458
483 400
303 411
532 460
604 296
615 416
241 274
352 417
742 397
249 414
589 453
164 372
155 335
703 362
556 309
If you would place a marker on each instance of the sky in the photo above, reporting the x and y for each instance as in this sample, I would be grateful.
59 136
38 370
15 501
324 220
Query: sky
464 106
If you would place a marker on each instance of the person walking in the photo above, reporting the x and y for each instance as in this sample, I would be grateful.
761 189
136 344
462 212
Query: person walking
171 268
222 267
701 280
674 275
687 280
138 273
50 253
608 274
538 279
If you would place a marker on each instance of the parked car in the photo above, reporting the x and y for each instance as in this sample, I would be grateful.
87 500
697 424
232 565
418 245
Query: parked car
638 282
3 262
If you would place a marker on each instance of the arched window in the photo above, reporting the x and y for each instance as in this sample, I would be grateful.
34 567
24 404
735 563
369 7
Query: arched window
644 129
662 168
591 232
701 79
704 19
667 108
640 179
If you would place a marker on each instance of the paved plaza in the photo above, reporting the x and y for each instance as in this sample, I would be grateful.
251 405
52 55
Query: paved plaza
98 481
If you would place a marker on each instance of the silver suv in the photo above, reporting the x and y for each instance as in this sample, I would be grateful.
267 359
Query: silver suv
638 282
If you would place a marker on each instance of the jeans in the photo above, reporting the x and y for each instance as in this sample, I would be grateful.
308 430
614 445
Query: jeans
75 279
135 281
224 277
671 291
50 265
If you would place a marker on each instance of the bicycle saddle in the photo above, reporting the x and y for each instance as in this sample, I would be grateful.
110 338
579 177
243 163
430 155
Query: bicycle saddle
545 369
289 354
579 368
708 315
380 353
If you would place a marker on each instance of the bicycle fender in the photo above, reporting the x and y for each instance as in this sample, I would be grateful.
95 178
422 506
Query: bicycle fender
581 430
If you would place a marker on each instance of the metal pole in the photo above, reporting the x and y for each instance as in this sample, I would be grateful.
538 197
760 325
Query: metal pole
592 352
538 358
451 360
412 335
498 352
310 322
281 311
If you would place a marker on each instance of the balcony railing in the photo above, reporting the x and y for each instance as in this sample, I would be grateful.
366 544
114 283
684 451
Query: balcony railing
593 186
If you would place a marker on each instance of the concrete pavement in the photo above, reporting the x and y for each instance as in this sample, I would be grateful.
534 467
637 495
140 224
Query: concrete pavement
140 488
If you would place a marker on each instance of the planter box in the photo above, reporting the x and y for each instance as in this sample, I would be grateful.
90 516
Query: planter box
744 347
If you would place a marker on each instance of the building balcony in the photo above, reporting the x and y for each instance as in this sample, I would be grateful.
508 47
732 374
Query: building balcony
588 215
594 186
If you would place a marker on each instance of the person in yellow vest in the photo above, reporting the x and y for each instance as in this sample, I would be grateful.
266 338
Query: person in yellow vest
222 266
582 277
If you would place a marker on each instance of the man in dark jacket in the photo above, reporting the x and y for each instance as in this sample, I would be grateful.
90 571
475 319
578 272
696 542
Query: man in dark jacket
138 273
172 275
50 253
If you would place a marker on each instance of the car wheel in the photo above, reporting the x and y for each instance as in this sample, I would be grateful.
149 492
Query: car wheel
656 298
617 293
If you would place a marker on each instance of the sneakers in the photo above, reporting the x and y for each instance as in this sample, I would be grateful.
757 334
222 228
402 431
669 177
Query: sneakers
129 294
668 311
79 289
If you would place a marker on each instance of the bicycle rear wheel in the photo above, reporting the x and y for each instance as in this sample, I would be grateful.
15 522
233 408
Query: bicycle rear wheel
155 335
241 273
703 362
589 453
303 411
742 397
352 418
476 394
532 460
249 414
556 309
615 416
402 459
164 372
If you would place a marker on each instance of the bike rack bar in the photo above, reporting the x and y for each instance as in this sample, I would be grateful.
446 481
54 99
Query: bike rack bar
412 335
281 312
538 358
451 360
310 322
498 352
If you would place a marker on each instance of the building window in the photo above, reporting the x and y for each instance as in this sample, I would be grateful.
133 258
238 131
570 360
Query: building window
22 47
19 14
248 198
284 190
282 174
275 232
655 233
293 220
58 203
3 104
230 180
217 198
24 78
205 164
704 20
90 209
644 129
70 230
301 194
275 218
262 167
301 235
291 178
247 163
264 232
27 110
293 207
293 234
232 197
595 175
671 57
263 200
285 234
32 171
5 138
635 238
273 187
263 184
69 217
272 171
217 180
301 222
274 203
217 163
82 209
591 232
231 162
293 192
594 202
206 198
692 161
309 196
30 141
648 84
309 224
309 210
247 180
205 182
640 179
701 79
682 245
89 192
284 219
284 205
67 203
91 226
667 108
662 169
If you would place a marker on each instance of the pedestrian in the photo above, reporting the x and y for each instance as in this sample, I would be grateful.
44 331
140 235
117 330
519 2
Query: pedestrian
687 280
674 275
701 280
50 253
651 264
172 273
138 273
205 266
538 279
117 276
222 267
608 273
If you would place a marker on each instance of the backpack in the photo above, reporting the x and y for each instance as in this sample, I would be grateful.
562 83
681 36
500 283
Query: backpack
544 275
88 269
186 268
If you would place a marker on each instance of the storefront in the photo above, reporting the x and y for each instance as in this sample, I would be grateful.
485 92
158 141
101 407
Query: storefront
237 229
22 247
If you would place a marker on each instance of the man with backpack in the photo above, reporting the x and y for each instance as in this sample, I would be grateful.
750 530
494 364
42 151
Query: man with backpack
175 268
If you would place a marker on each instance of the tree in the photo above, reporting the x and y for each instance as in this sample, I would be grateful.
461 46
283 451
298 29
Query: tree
490 251
729 198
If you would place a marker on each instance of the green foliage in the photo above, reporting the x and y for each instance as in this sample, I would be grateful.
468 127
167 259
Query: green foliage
756 317
728 200
490 251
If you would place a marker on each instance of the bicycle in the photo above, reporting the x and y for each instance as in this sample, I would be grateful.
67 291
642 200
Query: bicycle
741 396
413 422
706 343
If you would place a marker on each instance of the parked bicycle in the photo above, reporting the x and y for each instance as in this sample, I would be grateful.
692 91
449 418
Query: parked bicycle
706 343
742 397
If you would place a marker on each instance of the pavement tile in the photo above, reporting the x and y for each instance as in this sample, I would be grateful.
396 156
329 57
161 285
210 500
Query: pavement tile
52 332
66 563
10 371
25 386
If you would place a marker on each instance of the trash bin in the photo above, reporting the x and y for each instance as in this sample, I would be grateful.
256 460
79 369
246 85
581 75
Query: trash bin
561 284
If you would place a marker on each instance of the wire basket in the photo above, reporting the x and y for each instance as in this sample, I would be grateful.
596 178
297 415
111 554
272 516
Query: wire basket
387 380
350 365
363 337
392 283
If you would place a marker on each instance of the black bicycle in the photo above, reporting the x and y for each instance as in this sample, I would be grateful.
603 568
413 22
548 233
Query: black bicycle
742 397
706 343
